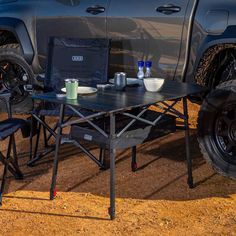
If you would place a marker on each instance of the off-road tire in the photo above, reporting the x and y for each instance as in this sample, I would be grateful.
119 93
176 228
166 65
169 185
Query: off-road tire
12 53
218 104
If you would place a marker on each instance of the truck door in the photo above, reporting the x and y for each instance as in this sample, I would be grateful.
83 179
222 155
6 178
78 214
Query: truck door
69 18
146 30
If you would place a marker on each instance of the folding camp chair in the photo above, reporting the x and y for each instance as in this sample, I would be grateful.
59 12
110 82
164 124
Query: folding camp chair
8 128
83 59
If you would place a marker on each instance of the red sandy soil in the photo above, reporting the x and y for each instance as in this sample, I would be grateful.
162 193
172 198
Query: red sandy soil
153 201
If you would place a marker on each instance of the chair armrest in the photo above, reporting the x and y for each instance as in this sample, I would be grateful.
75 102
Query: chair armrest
32 88
5 96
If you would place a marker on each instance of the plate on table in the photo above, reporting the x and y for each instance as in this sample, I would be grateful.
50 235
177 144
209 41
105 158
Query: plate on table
83 90
130 81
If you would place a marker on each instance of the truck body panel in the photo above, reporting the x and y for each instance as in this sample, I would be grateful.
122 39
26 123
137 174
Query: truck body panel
138 31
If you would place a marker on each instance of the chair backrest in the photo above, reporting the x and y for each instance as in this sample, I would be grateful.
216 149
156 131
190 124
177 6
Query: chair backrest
83 59
9 126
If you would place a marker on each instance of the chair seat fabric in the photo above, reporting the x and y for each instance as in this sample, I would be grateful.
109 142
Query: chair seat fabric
12 125
56 112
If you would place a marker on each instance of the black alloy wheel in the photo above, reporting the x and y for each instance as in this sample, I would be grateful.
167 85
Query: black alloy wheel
13 78
225 133
217 128
15 73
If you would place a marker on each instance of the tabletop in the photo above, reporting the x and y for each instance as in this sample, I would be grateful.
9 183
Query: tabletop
112 101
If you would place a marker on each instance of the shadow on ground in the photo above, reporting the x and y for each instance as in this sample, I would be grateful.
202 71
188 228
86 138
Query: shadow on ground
161 173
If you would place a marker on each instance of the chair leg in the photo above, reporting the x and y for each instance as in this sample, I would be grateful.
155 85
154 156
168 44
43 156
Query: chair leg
48 148
101 156
33 158
9 146
37 140
45 138
134 159
6 165
15 163
102 160
50 135
31 138
55 128
4 177
15 156
45 135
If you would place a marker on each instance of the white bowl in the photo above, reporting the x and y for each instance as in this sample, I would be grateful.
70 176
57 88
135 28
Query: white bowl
153 84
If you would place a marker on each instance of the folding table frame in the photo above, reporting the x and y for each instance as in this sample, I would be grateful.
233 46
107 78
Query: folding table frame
112 136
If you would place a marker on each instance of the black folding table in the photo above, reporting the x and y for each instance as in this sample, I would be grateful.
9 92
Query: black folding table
109 104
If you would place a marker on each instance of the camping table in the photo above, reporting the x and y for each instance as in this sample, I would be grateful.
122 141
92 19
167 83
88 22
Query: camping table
111 103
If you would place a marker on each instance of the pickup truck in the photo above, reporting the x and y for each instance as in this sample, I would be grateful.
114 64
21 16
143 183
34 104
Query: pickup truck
187 40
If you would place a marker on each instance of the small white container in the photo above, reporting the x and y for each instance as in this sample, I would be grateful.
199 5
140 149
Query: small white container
153 84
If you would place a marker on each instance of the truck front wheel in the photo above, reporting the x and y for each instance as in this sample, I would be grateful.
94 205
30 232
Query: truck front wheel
14 73
217 129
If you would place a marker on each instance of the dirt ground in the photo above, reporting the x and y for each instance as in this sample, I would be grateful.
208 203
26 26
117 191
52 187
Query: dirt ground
153 201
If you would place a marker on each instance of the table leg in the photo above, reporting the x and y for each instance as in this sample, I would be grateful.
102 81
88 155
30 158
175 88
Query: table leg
187 142
112 153
56 157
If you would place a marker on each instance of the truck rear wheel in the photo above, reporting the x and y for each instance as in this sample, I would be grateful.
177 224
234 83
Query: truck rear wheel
217 129
14 73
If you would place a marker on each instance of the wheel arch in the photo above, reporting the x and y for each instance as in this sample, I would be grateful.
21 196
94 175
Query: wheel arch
207 52
18 29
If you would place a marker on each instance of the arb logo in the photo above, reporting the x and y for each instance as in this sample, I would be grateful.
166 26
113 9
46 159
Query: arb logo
77 58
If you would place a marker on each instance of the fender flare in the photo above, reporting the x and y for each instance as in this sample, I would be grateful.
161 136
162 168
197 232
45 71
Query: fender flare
228 37
18 28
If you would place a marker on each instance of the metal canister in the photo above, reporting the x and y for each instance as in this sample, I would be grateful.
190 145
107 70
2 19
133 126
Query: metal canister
120 81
